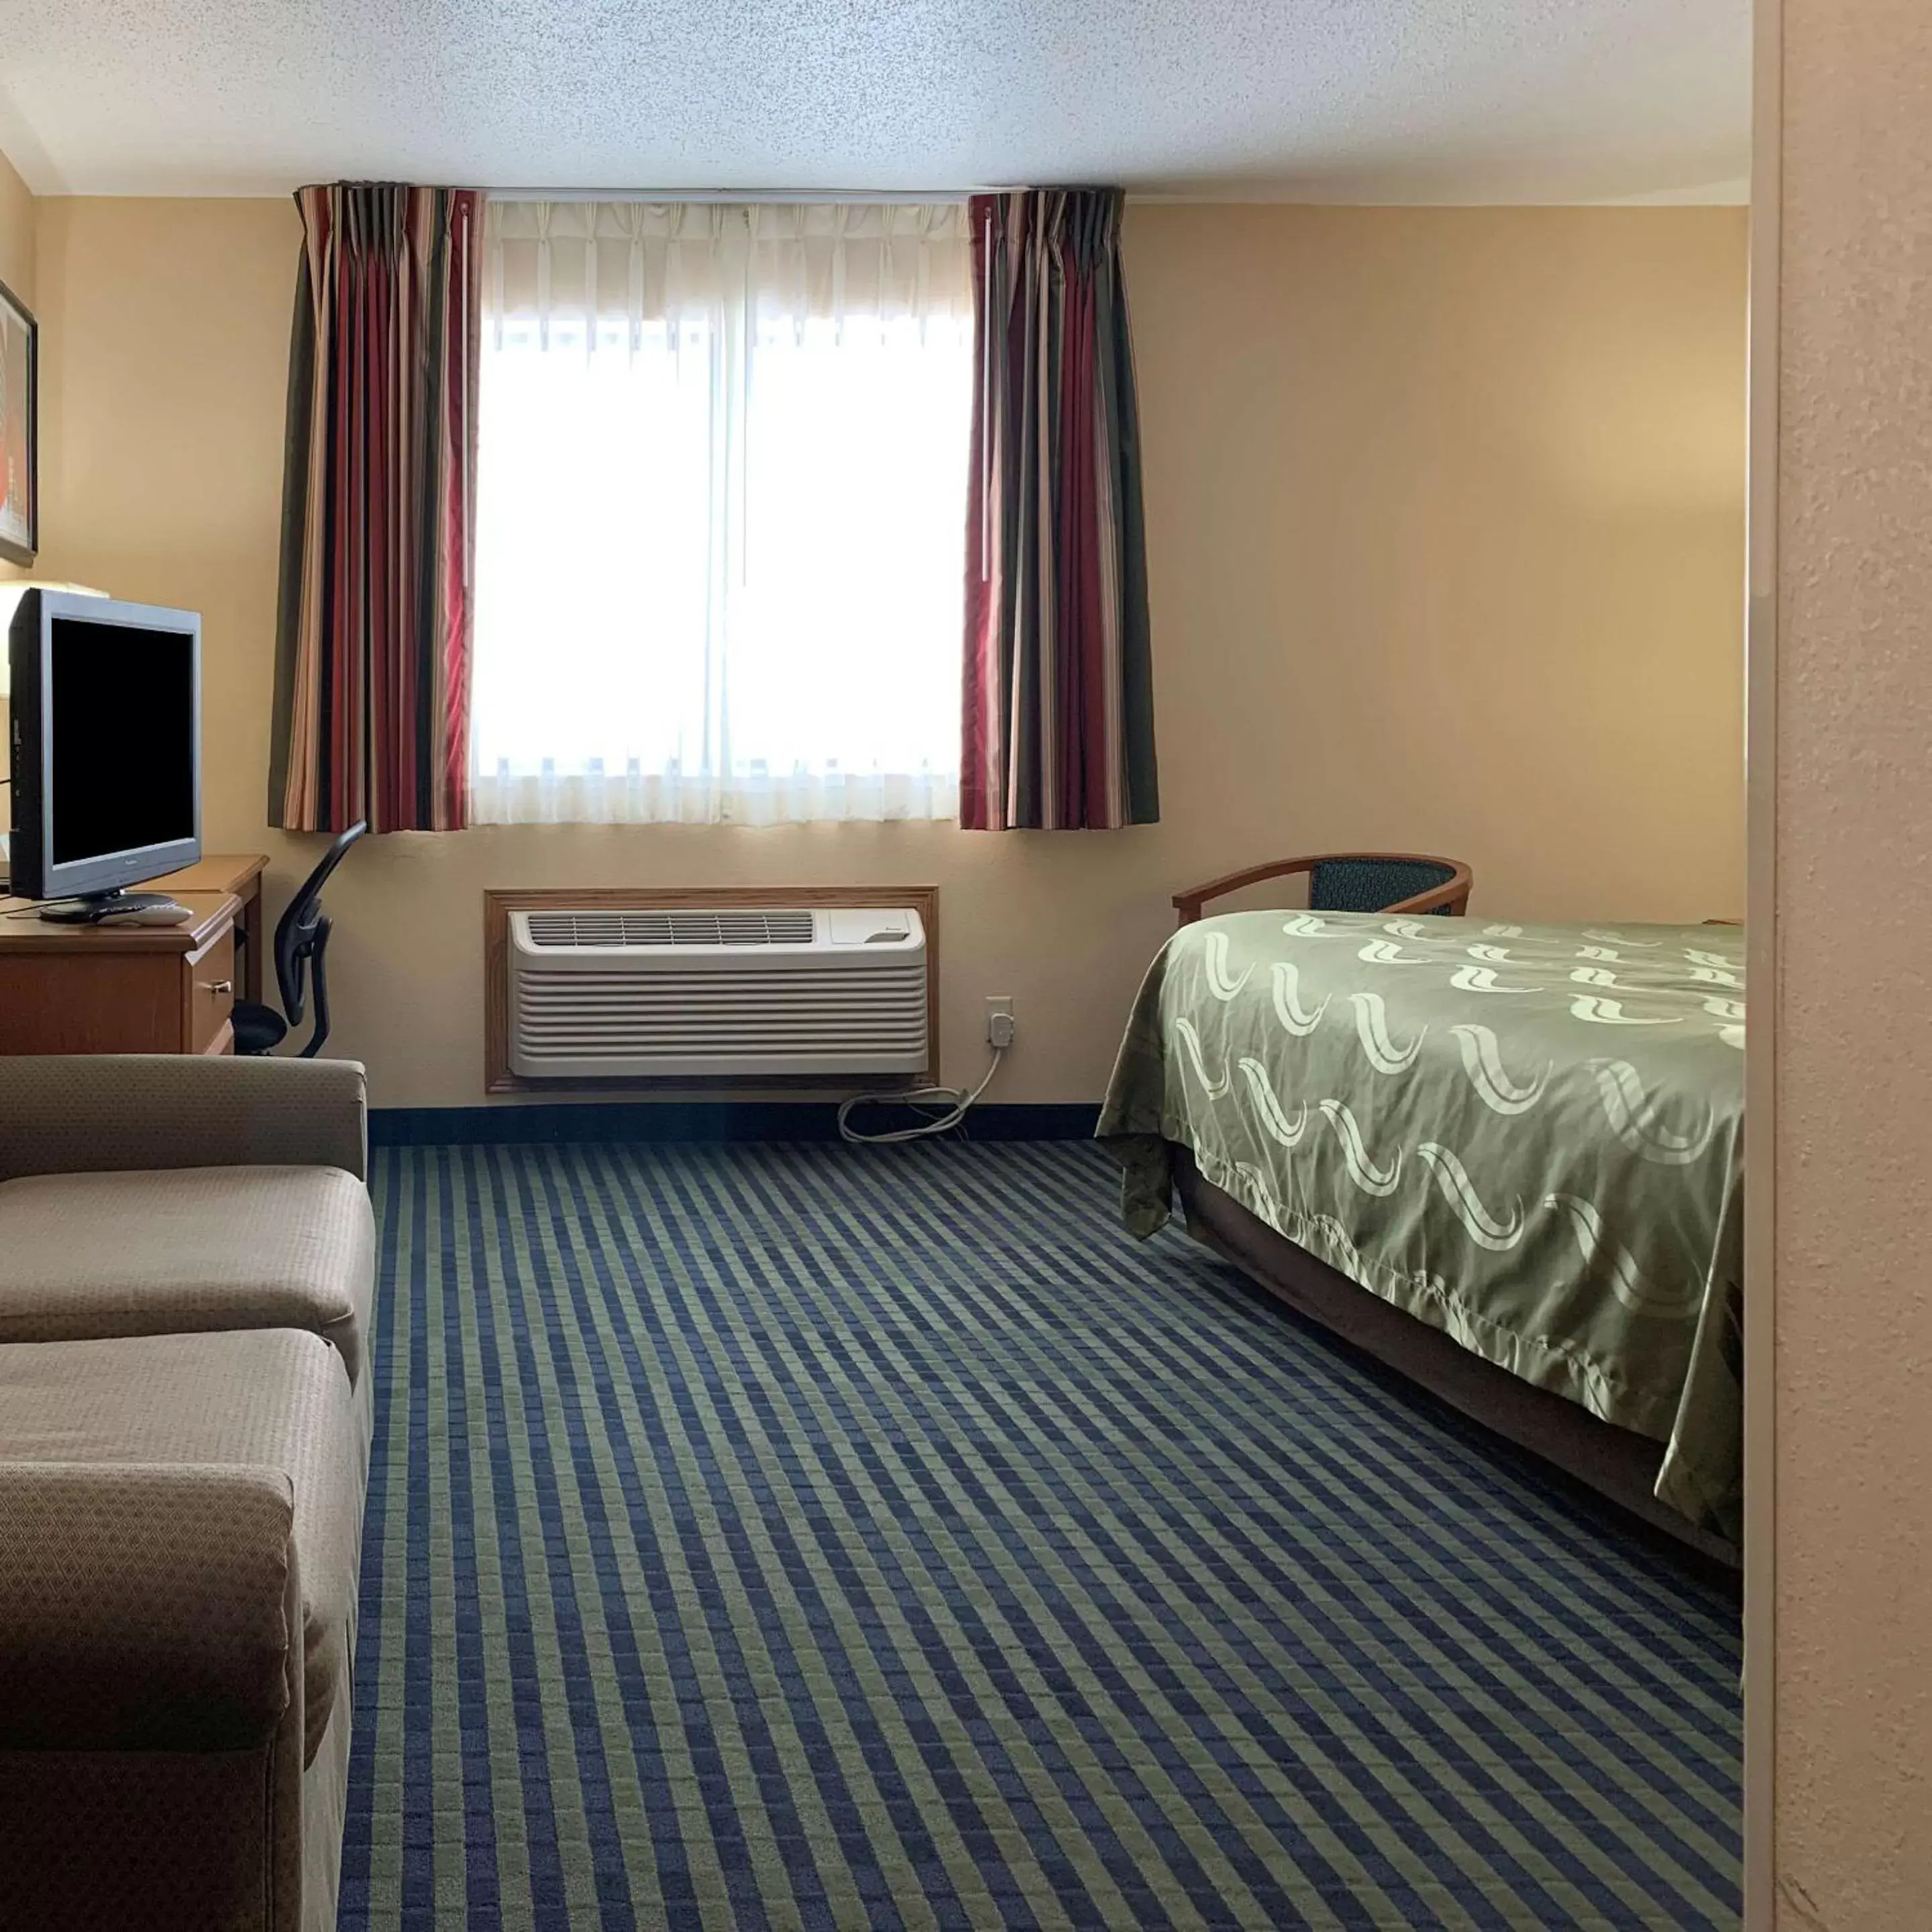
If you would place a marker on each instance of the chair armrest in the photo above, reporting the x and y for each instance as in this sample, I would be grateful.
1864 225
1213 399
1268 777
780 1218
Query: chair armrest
1188 905
145 1607
1453 893
93 1113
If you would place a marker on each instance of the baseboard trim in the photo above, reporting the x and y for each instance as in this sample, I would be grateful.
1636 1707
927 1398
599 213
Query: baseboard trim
711 1120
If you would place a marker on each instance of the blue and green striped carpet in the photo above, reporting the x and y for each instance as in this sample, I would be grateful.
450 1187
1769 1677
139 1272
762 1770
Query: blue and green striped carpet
768 1536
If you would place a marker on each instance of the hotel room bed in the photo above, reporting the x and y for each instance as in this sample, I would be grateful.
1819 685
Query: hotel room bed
1526 1138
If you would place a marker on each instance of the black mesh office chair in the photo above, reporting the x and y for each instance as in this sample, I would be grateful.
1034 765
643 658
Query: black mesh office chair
1352 882
301 939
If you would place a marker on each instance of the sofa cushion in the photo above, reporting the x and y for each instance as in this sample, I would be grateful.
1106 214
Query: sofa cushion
86 1256
264 1398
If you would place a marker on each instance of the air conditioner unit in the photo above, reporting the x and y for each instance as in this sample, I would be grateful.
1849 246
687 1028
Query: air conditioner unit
602 995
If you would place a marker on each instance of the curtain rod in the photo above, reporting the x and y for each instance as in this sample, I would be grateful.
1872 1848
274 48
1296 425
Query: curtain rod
892 196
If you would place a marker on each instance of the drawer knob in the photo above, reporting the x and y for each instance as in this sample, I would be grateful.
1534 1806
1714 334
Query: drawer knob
217 987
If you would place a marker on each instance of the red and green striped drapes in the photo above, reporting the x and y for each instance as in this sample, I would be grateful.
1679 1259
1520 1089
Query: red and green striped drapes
1059 694
372 659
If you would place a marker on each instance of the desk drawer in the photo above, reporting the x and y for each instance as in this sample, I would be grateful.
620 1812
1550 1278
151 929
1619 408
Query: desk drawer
210 994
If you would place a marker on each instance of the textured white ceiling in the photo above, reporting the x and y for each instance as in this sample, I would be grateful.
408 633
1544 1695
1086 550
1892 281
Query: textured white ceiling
1304 100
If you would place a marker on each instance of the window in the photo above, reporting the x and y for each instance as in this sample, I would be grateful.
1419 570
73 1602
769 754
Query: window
721 488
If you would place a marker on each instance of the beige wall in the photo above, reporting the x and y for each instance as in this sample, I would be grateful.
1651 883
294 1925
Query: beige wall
16 233
17 270
1445 525
1852 791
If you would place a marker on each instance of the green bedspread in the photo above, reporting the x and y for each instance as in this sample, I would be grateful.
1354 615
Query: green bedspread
1531 1136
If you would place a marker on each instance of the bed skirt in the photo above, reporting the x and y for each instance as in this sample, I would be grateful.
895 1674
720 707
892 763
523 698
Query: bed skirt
1615 1462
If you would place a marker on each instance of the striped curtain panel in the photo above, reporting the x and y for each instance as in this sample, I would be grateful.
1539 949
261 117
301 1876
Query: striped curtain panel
1059 692
372 676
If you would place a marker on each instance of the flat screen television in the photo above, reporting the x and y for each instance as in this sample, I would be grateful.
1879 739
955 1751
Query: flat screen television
106 747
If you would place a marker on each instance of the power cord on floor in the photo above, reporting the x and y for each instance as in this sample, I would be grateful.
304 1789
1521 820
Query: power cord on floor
957 1102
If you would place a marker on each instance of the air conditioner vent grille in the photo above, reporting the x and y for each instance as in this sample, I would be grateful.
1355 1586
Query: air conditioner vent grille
629 992
551 931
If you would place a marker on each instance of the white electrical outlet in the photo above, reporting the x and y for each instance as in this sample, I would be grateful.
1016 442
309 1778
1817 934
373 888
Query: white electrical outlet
1001 1025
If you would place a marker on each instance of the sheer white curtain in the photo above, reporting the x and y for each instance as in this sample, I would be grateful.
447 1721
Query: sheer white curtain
721 509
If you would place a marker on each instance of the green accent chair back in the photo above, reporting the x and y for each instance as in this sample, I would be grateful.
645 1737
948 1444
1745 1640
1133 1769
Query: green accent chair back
1404 882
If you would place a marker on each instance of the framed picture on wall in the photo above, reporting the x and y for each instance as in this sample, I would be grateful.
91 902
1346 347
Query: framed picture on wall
19 430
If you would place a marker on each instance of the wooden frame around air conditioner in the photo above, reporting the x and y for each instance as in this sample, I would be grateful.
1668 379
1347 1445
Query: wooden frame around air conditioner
498 906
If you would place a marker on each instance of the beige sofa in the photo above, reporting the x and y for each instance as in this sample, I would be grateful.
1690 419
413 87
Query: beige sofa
187 1262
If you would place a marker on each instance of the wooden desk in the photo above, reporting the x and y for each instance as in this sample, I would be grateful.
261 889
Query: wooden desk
134 988
239 873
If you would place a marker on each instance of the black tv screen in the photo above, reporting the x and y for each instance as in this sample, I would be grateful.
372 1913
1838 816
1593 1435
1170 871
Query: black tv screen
106 743
121 710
